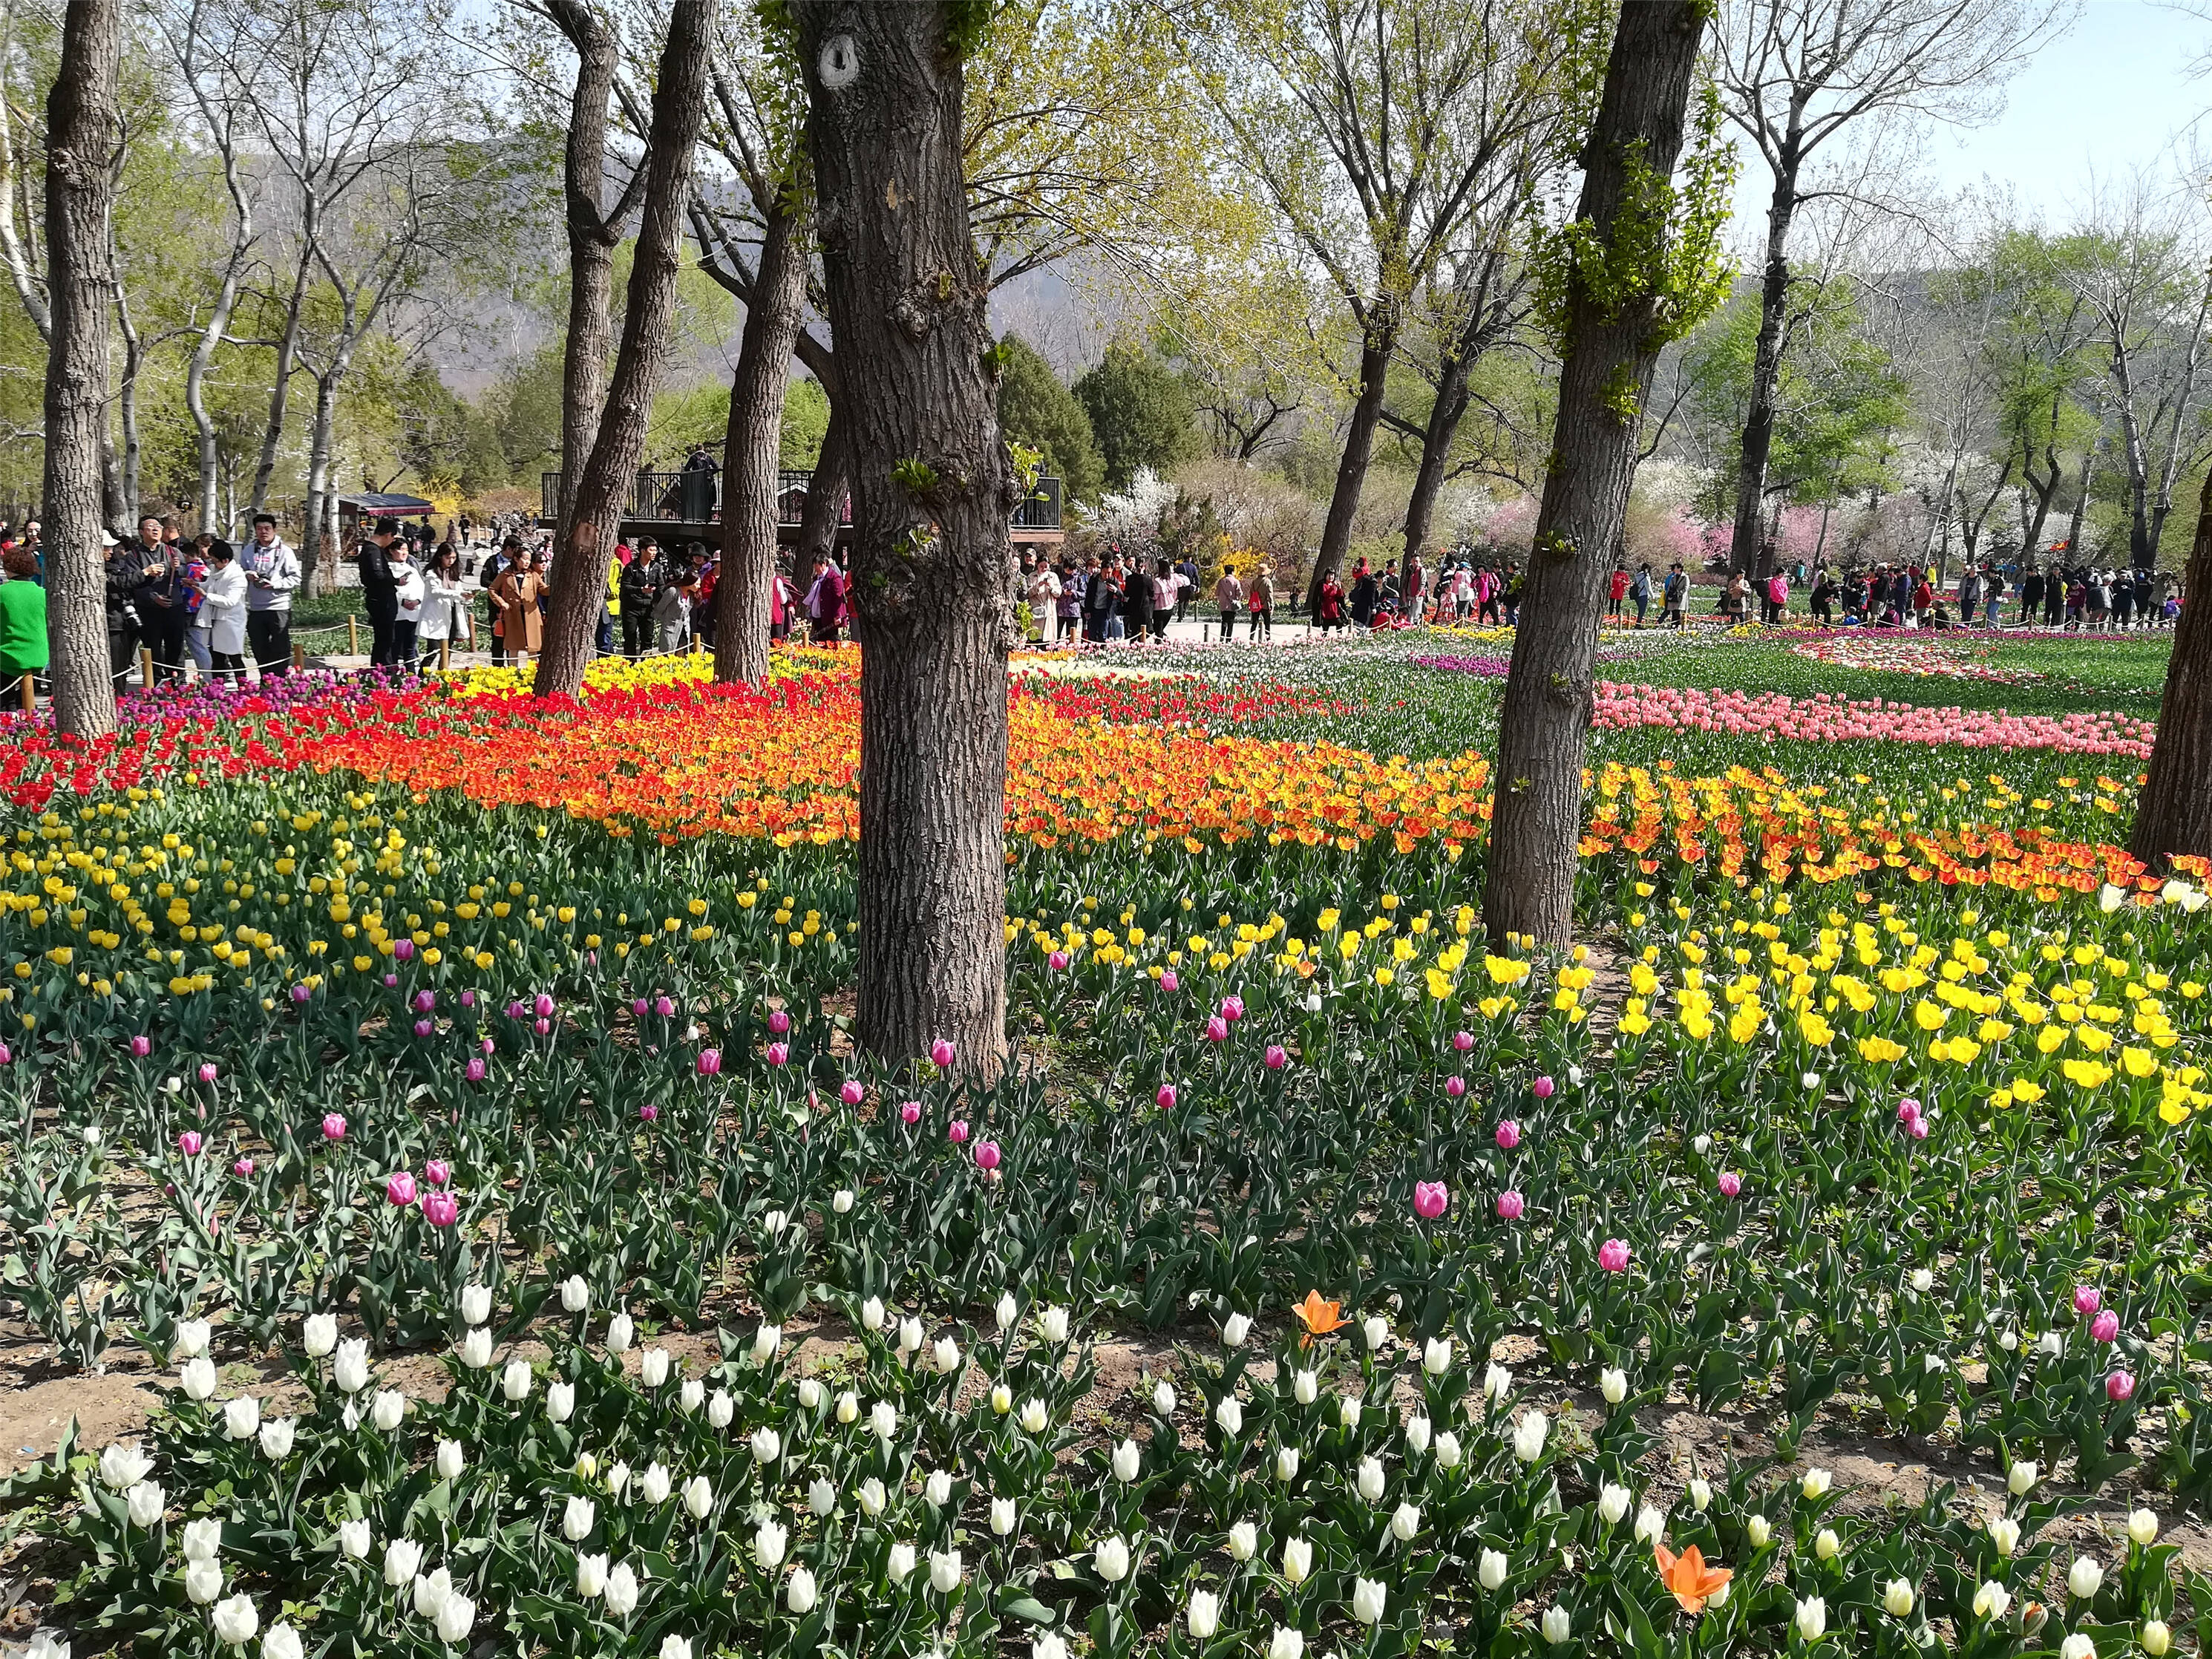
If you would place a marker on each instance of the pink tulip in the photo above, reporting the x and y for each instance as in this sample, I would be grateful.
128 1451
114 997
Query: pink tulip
1730 1183
1511 1205
440 1209
638 1005
391 981
1165 1099
910 1112
957 1131
542 1005
402 949
1217 1029
1455 1085
6 1054
1430 1198
852 1093
438 1172
2088 1299
334 1127
425 1001
1057 961
1509 1135
489 1047
710 1062
779 1022
2106 1327
1169 980
141 1046
2120 1385
1232 1008
300 993
468 999
243 1169
1907 1110
987 1154
1917 1128
1463 1041
206 1071
661 1006
474 1070
1274 1057
544 1027
778 1053
1542 1088
1613 1255
940 1054
190 1143
649 1112
399 1188
425 1027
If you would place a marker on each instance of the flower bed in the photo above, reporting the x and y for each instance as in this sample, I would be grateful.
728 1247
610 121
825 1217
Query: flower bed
1931 656
1828 718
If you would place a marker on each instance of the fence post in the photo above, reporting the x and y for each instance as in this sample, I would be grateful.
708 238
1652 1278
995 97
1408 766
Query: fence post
353 637
30 694
298 657
445 654
146 667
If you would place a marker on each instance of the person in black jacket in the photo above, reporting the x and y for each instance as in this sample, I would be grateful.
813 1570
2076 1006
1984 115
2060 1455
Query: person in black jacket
126 570
640 587
160 599
380 593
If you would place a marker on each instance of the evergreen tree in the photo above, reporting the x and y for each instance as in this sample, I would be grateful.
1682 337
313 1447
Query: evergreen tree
1036 408
1141 410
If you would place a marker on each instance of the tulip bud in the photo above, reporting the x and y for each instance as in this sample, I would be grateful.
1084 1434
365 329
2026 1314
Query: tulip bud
937 1490
1699 1491
1490 1569
899 1567
1612 1502
1370 1479
575 1295
621 1330
2004 1534
1991 1599
1448 1451
1417 1435
1557 1624
1243 1541
1203 1616
822 1499
559 1401
1234 1329
2084 1578
1127 1460
872 1498
1297 1560
1759 1530
1898 1600
1228 1414
1286 1464
944 1571
514 1380
388 1409
1110 1557
2143 1528
1367 1601
2157 1638
1305 1386
1827 1544
1163 1399
769 1539
1405 1522
1815 1483
1812 1619
1612 1383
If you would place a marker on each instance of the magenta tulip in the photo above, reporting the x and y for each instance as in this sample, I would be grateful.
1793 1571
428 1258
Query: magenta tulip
2120 1385
638 1005
468 999
957 1131
391 981
243 1169
542 1005
1455 1085
399 1188
1217 1029
141 1046
1730 1183
852 1092
986 1155
1509 1135
1463 1041
474 1070
425 1001
910 1111
710 1062
440 1209
1165 1099
489 1047
1169 980
190 1143
778 1053
402 949
662 1006
1057 961
425 1027
333 1126
206 1071
940 1054
1613 1255
1510 1204
1907 1110
2088 1299
6 1054
1430 1198
300 993
438 1172
1917 1128
649 1112
1542 1088
1232 1008
779 1022
1274 1059
2106 1327
543 1027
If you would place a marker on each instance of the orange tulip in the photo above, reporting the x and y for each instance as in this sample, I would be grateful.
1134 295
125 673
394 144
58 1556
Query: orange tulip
1688 1575
1320 1317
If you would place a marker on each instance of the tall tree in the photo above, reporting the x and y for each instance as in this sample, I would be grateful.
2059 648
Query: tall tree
932 487
1377 129
1639 266
1801 76
2173 815
1036 408
1139 412
580 566
83 129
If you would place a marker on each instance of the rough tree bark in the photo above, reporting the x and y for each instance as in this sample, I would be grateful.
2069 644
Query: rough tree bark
2174 813
580 565
83 127
932 489
1611 345
1375 347
1766 355
752 452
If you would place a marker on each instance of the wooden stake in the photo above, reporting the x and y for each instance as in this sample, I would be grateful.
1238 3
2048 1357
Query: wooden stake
445 654
30 694
299 656
353 637
146 667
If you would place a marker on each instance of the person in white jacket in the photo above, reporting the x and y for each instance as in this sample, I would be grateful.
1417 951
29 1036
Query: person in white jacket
222 602
445 612
409 593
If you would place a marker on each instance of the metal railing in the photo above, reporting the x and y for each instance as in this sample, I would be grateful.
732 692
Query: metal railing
696 498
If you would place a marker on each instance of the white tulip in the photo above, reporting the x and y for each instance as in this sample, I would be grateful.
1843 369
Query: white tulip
203 1539
698 1497
1347 1411
1437 1356
766 1446
578 1518
799 1595
653 1366
1529 1434
1898 1600
203 1582
1759 1530
872 1498
1305 1388
1229 1413
1991 1599
1052 1325
1612 1383
2157 1637
2084 1578
766 1340
1367 1600
354 1539
191 1339
2004 1534
559 1401
1376 1330
402 1559
1815 1483
1448 1451
1490 1569
1699 1491
318 1335
1650 1524
1370 1479
122 1466
388 1409
2051 1345
455 1618
842 1200
773 1222
575 1295
283 1642
944 1571
882 1417
1203 1617
1297 1560
1286 1464
871 1314
1827 1546
770 1539
909 1337
145 1502
1496 1382
1003 1516
899 1565
1405 1522
196 1377
1128 1459
675 1647
1812 1618
1110 1557
945 1356
235 1620
1286 1644
241 1418
820 1498
1417 1435
938 1489
432 1590
621 1591
1243 1541
1234 1329
2078 1646
1612 1502
622 1330
475 1304
476 1347
1006 1312
45 1644
451 1460
591 1576
1034 1418
1163 1399
277 1436
1557 1627
720 1409
618 1479
2143 1528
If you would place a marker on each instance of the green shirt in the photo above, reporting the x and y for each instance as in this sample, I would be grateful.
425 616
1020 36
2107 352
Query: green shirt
22 628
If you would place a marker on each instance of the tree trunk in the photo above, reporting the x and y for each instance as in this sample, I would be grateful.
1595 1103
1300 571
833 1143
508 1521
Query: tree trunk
591 247
2174 813
1444 417
580 565
1611 346
1766 363
933 568
1375 346
2081 501
84 128
320 465
751 454
134 363
280 392
827 491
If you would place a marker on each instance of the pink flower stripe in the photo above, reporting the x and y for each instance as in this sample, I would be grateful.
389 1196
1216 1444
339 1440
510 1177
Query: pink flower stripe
1830 719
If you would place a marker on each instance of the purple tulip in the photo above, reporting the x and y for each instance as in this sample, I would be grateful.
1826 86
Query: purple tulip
391 981
141 1046
468 999
425 1001
425 1027
403 950
474 1070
